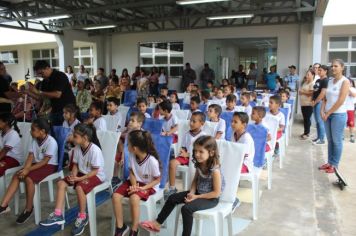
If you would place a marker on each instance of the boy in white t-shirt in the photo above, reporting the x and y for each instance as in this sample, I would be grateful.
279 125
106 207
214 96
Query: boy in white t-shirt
275 103
219 98
214 112
170 124
196 124
95 114
230 104
194 105
245 102
141 104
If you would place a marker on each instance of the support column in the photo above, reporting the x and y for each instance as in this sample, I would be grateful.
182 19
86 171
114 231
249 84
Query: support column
317 39
65 50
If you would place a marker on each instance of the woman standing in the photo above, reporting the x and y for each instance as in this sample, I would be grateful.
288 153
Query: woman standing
70 74
153 79
162 80
142 84
333 112
124 80
320 87
306 93
271 77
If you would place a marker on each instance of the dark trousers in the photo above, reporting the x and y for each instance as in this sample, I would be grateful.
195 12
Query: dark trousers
187 210
307 111
56 118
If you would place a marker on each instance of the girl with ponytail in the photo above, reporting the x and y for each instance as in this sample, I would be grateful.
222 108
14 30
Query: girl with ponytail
86 174
11 151
144 179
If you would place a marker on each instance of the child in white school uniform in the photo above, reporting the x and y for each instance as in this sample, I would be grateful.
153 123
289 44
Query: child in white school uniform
240 135
258 113
174 100
196 124
231 104
42 160
11 151
275 103
219 98
141 104
70 115
143 181
214 112
170 124
245 102
95 114
87 173
194 105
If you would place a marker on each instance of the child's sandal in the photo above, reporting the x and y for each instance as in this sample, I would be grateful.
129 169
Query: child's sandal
150 226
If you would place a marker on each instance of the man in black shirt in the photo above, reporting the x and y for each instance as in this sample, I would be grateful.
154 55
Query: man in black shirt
5 105
55 87
240 77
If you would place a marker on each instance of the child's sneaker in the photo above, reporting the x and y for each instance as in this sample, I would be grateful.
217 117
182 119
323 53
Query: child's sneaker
24 216
53 219
319 142
79 226
330 170
169 192
315 140
324 167
122 231
133 233
4 210
352 139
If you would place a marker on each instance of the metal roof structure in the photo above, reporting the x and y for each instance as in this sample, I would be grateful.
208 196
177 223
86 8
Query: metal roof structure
127 16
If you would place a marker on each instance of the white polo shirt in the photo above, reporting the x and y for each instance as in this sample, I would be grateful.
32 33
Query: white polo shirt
175 106
169 123
191 112
247 140
189 139
47 148
100 124
248 110
280 117
89 159
220 128
11 140
145 171
71 127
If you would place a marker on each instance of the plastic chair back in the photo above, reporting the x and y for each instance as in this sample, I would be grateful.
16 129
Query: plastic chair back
285 112
183 128
154 126
113 123
273 125
231 157
209 128
130 97
60 134
259 136
26 138
180 114
185 106
203 107
227 116
108 142
163 145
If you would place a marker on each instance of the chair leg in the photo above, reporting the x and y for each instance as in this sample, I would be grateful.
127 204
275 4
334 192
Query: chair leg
92 213
50 191
185 180
37 204
229 225
22 187
17 202
199 227
269 170
113 223
2 186
219 224
178 209
255 192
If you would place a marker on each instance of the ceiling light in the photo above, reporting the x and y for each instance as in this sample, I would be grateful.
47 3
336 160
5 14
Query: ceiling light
100 27
229 17
187 2
57 17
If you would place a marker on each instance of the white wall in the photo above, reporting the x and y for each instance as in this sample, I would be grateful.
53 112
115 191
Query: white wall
125 46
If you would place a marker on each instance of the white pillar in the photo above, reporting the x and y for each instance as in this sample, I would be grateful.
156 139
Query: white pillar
65 51
317 39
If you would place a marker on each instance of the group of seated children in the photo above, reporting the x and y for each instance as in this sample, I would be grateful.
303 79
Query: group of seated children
144 165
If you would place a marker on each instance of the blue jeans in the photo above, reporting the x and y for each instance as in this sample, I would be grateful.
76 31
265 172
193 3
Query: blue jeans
320 128
334 127
251 87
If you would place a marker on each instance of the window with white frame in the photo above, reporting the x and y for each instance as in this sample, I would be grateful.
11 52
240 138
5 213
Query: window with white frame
344 47
167 55
84 56
49 55
9 57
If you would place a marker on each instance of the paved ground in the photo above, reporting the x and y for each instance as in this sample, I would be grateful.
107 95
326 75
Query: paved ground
302 201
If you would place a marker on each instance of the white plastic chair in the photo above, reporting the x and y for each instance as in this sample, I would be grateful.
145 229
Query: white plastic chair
288 128
114 123
273 125
181 114
283 142
232 155
108 142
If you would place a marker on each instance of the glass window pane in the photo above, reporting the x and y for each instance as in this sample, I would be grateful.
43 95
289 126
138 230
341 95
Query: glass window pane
86 61
85 51
36 54
55 62
45 53
147 60
176 71
353 71
76 52
14 54
161 60
353 42
146 48
176 60
335 55
353 56
339 42
76 61
176 47
161 47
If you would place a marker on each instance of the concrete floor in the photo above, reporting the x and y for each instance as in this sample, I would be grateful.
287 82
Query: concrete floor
303 200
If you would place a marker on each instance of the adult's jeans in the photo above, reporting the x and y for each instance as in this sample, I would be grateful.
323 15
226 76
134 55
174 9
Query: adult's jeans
334 127
56 118
307 111
251 87
320 127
